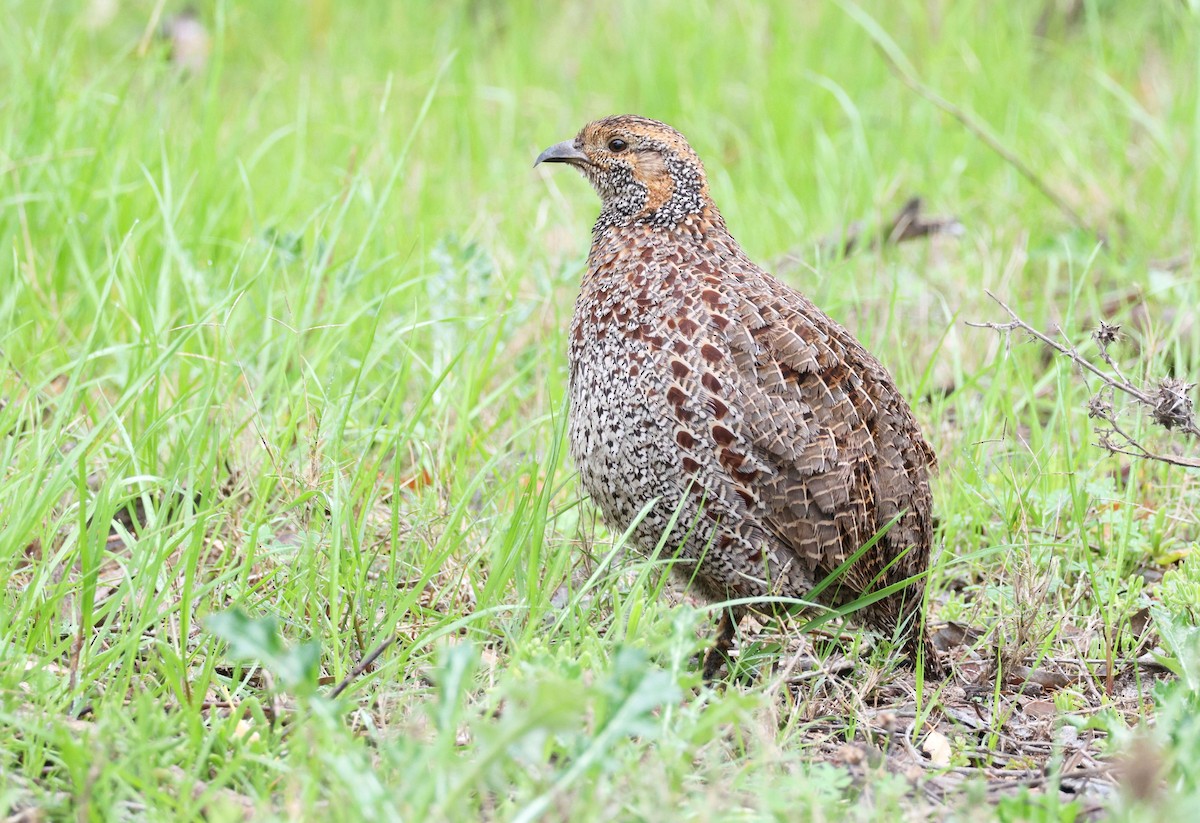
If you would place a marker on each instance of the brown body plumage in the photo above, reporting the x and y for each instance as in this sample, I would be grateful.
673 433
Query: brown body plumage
775 444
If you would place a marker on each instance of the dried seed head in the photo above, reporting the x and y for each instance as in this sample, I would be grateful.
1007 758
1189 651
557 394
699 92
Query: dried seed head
1172 405
1106 334
1100 406
1106 440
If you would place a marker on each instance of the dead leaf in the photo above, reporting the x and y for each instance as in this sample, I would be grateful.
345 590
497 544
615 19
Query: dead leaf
418 480
952 635
850 754
1140 620
937 746
1040 708
1044 678
909 223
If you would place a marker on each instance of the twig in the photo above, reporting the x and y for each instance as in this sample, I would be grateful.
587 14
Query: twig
1142 451
363 666
1065 351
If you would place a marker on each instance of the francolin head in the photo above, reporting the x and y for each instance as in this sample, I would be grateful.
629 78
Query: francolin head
761 434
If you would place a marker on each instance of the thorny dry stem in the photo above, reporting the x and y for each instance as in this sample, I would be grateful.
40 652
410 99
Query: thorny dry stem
1169 404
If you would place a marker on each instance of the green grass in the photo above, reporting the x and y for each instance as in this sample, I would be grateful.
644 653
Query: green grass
303 315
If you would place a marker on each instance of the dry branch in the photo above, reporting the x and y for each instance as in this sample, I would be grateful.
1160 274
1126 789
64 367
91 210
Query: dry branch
1169 403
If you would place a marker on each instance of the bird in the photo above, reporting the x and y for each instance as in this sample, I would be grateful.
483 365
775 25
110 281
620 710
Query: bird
716 408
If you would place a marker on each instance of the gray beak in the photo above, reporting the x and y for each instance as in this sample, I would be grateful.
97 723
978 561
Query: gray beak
564 152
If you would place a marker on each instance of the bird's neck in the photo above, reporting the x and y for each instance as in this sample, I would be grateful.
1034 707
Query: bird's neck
656 250
693 226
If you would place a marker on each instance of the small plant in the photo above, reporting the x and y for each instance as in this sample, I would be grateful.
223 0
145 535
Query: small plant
295 668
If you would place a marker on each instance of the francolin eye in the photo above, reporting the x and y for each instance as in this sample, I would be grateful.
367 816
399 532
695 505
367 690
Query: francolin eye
617 145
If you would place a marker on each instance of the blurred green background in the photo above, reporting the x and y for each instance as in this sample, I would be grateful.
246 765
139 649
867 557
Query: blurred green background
282 312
